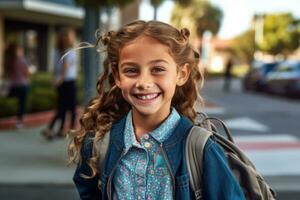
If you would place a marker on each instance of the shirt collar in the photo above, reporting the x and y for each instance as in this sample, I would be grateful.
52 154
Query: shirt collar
160 134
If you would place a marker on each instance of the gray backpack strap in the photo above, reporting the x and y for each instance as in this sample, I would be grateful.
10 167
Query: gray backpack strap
194 149
102 147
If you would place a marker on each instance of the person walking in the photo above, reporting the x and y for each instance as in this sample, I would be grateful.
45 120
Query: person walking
65 73
16 71
228 75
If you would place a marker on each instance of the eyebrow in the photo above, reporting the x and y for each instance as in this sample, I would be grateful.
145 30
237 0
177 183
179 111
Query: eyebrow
151 62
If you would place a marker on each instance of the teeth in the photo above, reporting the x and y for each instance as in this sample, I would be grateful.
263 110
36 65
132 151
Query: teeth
147 97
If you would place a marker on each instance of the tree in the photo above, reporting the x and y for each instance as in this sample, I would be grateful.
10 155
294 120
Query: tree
280 34
156 3
244 46
199 16
91 59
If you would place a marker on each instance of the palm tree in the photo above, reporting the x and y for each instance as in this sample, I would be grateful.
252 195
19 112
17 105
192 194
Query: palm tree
157 3
199 16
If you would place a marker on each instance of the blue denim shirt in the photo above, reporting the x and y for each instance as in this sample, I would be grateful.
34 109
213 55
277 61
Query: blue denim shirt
142 172
218 180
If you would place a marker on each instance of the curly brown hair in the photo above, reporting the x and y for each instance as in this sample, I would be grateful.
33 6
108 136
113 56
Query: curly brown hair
109 106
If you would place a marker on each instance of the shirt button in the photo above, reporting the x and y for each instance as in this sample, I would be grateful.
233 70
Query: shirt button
146 137
147 145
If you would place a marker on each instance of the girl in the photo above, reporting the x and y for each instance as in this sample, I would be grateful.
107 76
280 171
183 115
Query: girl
65 73
145 104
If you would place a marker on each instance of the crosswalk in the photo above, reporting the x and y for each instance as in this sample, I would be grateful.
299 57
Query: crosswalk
272 154
246 123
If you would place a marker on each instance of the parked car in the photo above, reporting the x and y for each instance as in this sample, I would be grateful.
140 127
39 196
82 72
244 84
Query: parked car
255 79
285 79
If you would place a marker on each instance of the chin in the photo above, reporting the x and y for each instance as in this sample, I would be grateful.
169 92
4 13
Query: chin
146 111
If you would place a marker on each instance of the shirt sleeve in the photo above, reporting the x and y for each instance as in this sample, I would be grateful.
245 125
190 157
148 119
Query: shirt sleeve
86 187
218 180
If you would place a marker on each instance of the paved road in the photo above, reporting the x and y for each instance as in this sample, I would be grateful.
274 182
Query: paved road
279 115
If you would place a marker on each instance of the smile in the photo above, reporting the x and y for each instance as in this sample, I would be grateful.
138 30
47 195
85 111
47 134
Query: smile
147 96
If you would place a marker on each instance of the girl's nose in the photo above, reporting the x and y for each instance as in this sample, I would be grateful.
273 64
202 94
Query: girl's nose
144 82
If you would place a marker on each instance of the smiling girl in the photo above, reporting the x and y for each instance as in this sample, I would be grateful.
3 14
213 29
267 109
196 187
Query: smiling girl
145 105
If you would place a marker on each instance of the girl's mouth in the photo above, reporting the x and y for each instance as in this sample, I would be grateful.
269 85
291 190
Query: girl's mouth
146 97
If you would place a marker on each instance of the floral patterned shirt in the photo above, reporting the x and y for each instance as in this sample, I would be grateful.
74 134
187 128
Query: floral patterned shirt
142 172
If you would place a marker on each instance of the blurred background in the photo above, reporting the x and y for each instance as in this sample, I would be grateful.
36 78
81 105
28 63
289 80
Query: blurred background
249 51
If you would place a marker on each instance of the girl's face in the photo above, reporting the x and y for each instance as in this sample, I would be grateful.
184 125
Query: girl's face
147 76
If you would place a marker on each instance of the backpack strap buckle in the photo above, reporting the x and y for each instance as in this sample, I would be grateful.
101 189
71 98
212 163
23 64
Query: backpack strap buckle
198 194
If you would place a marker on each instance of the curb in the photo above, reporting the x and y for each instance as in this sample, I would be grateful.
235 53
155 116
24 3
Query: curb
32 119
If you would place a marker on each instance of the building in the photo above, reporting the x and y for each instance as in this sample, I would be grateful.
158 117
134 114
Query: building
33 23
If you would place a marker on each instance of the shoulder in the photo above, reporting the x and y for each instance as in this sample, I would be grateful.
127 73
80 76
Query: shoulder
213 151
218 179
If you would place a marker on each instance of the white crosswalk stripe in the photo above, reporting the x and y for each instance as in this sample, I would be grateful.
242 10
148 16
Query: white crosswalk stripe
246 123
272 154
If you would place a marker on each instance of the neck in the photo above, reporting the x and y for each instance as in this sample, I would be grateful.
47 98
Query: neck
146 123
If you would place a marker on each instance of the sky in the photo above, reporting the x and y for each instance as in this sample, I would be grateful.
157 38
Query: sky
237 13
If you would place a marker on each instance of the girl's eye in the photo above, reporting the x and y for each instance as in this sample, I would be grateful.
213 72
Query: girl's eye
130 71
158 70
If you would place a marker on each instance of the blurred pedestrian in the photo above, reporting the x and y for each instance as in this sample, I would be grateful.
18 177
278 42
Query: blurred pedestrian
228 75
16 71
65 73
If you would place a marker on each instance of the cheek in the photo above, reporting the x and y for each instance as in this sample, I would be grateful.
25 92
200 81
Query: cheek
125 85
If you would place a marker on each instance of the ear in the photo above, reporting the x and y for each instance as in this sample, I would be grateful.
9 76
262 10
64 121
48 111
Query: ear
183 74
116 76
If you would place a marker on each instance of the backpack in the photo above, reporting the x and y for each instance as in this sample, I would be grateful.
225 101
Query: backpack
252 183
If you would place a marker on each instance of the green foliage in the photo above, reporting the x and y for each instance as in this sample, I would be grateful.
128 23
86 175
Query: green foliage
281 34
244 46
41 98
156 3
42 95
8 106
198 16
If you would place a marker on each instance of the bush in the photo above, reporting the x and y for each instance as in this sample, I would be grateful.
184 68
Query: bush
8 106
41 97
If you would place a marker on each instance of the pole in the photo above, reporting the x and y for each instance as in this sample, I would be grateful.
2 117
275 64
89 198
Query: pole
91 59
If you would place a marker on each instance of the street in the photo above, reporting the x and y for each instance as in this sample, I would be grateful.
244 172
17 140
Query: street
276 115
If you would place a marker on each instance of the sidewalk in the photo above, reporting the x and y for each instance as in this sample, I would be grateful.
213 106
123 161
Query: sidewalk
33 168
30 120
